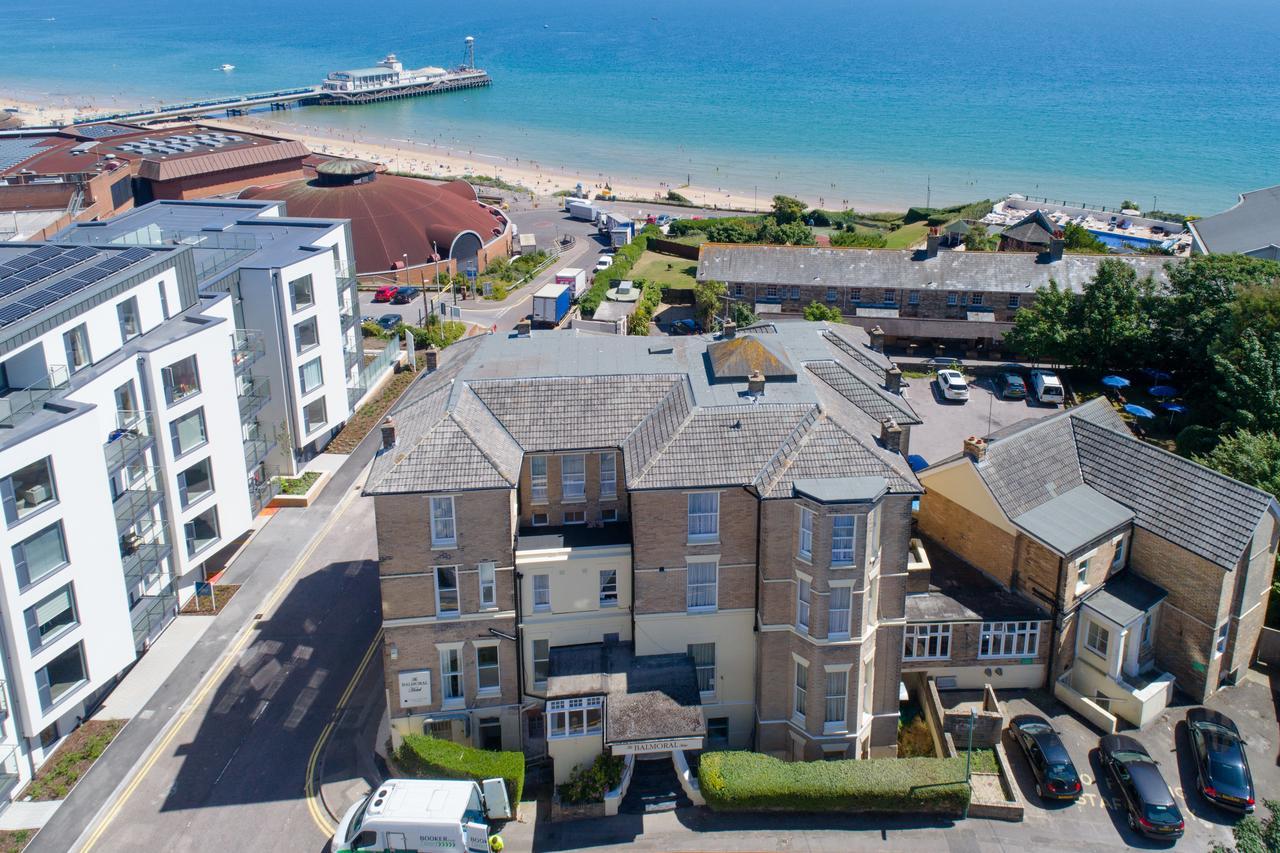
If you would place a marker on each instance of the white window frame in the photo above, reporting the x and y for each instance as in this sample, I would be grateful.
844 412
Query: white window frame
696 593
439 539
800 690
441 612
701 668
488 575
1083 564
704 521
538 482
1004 639
608 516
833 701
565 711
933 637
804 545
608 587
1221 637
847 610
451 667
608 475
873 538
804 597
1121 548
539 519
1104 633
573 484
541 606
842 546
575 516
533 656
481 669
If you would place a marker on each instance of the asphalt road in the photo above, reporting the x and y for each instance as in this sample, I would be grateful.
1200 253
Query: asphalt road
233 778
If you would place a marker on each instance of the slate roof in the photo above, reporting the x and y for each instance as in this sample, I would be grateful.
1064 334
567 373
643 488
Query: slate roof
873 400
1035 227
495 398
1253 224
996 272
1194 507
1125 598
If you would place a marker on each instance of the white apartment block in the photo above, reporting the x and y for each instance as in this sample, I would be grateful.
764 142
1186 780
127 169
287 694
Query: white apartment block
155 371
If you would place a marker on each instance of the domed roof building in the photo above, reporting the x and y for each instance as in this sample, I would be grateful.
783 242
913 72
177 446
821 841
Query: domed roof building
397 222
9 121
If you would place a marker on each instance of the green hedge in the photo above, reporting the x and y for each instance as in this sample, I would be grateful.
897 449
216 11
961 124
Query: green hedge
428 757
623 260
749 781
650 299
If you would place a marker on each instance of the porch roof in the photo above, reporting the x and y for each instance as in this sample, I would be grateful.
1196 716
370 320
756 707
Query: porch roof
1074 518
1125 598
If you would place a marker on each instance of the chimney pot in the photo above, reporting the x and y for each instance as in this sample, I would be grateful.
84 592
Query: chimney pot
931 244
891 435
388 433
975 448
876 334
729 330
432 356
893 380
755 383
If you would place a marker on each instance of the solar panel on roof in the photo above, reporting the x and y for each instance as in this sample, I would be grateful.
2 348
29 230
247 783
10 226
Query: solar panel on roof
12 313
58 264
136 254
39 299
43 253
81 253
8 286
65 288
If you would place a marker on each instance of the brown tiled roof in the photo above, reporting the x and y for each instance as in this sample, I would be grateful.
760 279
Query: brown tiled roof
179 166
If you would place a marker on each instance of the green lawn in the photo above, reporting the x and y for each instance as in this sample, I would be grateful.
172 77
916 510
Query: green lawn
906 236
666 270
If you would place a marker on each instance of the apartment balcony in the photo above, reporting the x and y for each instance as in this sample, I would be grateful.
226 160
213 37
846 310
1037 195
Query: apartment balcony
136 501
144 563
16 405
128 441
246 348
263 486
350 358
8 768
252 396
150 615
256 445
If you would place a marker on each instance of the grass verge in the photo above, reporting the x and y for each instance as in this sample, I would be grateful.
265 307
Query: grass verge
15 840
371 413
55 779
666 271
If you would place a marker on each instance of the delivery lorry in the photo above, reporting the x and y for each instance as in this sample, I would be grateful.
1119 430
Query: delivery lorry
550 305
425 816
578 209
575 279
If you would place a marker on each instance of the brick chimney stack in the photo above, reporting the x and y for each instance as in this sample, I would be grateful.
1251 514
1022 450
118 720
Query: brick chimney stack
975 448
931 243
1057 244
893 380
755 383
876 334
891 435
388 434
729 330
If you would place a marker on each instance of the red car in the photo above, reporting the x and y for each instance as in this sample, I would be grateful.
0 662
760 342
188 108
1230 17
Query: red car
385 294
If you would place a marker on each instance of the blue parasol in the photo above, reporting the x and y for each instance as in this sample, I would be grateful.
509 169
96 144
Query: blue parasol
1139 411
917 462
1162 391
1115 382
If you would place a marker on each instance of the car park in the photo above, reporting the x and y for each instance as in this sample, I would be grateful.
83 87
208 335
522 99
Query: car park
1222 769
1149 806
404 295
1011 386
1048 387
1055 774
952 385
390 321
385 294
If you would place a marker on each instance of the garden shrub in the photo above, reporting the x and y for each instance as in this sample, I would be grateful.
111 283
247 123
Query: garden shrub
749 781
590 782
650 298
623 260
427 757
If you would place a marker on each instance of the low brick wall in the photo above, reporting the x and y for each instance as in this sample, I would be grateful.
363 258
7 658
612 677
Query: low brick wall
986 728
580 811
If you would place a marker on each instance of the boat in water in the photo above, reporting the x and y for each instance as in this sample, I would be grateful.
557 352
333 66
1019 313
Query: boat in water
390 79
226 67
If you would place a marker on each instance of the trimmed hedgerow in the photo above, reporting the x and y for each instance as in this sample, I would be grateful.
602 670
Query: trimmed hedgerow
431 757
750 781
623 260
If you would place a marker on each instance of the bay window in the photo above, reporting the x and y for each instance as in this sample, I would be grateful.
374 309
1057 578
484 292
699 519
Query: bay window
574 717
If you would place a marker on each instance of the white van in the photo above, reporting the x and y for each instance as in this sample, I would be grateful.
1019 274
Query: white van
1048 387
424 816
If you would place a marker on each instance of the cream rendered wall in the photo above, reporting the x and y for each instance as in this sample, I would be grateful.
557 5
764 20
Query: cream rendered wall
961 484
569 753
1014 677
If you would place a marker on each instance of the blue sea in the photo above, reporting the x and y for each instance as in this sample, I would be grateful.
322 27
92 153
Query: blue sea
1173 104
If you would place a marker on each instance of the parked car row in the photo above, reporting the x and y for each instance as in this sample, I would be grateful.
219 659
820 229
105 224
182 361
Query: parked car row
1009 384
1222 770
396 295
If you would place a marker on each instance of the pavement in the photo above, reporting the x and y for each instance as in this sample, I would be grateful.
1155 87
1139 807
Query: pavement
219 757
132 695
947 422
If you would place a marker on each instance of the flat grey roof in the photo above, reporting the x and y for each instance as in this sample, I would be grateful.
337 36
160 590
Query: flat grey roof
960 593
1252 223
1074 519
1125 598
838 489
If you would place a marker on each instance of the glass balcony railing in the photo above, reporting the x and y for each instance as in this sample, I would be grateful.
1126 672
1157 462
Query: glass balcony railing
19 404
150 615
263 486
128 440
136 500
144 563
246 348
252 396
257 444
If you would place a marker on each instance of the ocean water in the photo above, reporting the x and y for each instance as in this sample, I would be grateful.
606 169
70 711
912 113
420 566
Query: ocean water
1174 104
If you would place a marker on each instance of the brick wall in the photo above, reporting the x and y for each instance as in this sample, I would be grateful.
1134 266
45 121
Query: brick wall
555 505
1250 596
417 647
1038 570
660 528
968 536
930 304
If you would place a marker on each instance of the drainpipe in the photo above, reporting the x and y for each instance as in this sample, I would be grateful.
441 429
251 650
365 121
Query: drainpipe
755 623
1055 616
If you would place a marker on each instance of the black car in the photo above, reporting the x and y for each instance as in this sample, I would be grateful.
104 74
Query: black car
1056 776
404 295
390 321
1011 386
1148 803
1222 770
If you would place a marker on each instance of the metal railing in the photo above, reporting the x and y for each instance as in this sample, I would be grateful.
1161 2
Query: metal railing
144 565
135 500
253 396
262 489
373 371
130 438
256 445
246 348
18 405
151 613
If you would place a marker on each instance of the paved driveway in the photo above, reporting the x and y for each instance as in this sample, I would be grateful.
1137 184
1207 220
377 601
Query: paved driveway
948 422
1099 817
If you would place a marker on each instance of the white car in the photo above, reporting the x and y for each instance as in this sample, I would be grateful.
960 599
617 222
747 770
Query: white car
1048 387
951 385
603 262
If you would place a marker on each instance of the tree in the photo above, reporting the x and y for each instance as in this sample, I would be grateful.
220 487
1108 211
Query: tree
1077 238
978 240
791 234
1256 307
744 316
1248 386
1253 835
706 300
787 209
1250 457
1129 205
730 231
1041 330
1108 326
817 311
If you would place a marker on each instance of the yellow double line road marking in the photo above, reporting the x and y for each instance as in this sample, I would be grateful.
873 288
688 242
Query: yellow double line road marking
318 813
213 679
